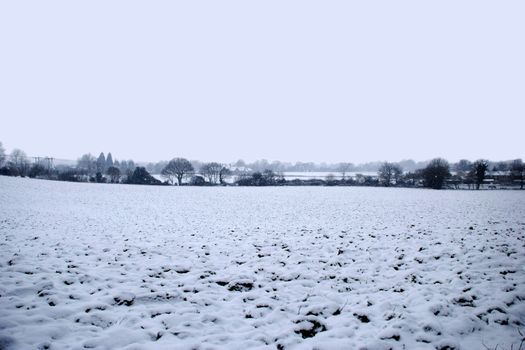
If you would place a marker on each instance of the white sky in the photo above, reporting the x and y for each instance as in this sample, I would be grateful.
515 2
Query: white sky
289 80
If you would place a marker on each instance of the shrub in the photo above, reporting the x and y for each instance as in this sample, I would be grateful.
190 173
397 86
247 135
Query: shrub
38 170
435 174
141 176
198 181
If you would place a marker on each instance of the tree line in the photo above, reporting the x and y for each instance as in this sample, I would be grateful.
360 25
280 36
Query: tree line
436 174
281 167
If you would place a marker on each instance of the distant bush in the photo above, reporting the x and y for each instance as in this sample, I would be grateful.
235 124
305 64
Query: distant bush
266 178
7 171
141 176
99 178
199 181
331 180
348 182
70 175
38 170
113 173
314 182
435 174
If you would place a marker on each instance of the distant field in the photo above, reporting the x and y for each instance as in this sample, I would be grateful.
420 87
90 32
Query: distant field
323 174
319 175
139 267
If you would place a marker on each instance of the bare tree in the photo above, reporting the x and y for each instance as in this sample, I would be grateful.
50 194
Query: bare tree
168 174
18 161
389 173
179 168
224 174
479 170
518 171
211 171
343 168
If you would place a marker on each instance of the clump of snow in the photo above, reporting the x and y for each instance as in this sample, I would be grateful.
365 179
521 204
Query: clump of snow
131 267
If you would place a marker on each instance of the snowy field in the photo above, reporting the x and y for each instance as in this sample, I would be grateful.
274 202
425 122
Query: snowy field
132 267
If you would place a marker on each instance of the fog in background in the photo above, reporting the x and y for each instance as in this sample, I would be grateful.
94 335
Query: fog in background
296 80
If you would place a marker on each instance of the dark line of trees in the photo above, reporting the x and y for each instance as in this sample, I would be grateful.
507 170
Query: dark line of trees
436 174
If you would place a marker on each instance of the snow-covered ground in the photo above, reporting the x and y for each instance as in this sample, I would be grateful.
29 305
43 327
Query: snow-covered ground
137 267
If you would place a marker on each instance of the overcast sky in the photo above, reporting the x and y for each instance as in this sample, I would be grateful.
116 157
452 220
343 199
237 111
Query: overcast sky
283 80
